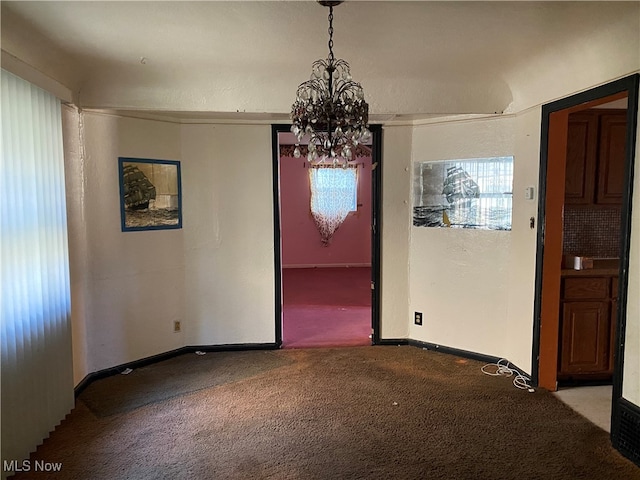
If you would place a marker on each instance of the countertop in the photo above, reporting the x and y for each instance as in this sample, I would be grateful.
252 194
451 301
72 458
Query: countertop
601 267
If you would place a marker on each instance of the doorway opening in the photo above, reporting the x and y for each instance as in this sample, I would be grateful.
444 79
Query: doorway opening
586 174
326 277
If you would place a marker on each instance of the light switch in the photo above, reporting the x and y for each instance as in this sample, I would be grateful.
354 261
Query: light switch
529 192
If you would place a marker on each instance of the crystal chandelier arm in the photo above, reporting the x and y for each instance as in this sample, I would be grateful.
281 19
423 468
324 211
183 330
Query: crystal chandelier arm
350 88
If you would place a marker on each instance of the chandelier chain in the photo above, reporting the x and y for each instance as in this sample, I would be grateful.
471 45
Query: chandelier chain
331 57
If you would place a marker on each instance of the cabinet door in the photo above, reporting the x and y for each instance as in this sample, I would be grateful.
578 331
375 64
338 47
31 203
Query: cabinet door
610 170
582 149
585 338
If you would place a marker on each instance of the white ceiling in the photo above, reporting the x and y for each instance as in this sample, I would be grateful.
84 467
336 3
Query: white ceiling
412 58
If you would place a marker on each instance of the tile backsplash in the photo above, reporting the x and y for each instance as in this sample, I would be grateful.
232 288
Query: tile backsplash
592 232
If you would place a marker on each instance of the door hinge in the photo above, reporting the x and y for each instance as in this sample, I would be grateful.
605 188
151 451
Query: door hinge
373 286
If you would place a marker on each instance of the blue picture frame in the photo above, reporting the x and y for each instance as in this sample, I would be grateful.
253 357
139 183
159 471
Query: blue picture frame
150 194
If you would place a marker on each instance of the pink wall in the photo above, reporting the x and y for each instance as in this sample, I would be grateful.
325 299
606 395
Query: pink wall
301 245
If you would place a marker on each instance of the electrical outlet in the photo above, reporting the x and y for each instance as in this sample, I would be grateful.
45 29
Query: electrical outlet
417 319
177 326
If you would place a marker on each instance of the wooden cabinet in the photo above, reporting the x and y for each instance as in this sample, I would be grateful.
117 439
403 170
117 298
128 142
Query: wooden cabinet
582 151
610 173
595 157
585 338
587 328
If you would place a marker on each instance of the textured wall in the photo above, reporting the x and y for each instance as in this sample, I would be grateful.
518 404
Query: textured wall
459 277
228 227
135 280
77 237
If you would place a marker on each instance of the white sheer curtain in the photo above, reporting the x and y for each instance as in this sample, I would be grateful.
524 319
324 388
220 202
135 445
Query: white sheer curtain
37 378
334 193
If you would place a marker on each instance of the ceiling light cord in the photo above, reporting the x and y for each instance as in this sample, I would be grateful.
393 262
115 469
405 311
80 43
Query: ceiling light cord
503 368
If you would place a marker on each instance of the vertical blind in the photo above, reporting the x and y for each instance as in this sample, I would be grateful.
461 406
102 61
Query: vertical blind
37 377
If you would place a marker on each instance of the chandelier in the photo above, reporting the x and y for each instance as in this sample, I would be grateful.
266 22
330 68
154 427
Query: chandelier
330 109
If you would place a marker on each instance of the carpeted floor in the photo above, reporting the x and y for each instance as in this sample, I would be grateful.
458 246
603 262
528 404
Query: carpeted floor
162 381
326 307
350 413
308 326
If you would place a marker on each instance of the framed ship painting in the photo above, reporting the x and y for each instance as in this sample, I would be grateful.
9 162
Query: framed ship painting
150 194
467 193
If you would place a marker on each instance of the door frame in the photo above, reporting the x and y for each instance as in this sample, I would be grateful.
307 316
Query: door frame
376 216
551 184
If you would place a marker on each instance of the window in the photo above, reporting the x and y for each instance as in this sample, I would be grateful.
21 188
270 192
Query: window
333 189
36 308
334 193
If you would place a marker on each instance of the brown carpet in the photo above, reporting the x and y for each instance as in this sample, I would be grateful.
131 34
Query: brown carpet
180 376
350 413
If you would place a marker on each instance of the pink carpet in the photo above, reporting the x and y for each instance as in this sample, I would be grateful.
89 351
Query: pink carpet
326 307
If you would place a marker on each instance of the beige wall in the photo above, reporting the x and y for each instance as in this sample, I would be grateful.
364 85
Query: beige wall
216 274
133 281
476 288
518 325
459 278
77 238
228 228
396 219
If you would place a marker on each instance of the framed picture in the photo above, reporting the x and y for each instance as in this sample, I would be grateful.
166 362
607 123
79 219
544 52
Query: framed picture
466 193
150 194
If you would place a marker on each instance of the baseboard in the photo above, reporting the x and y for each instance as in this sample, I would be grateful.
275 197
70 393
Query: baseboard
143 362
328 265
231 347
392 341
464 354
626 433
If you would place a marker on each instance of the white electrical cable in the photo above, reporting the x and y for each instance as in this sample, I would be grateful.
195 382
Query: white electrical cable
504 369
